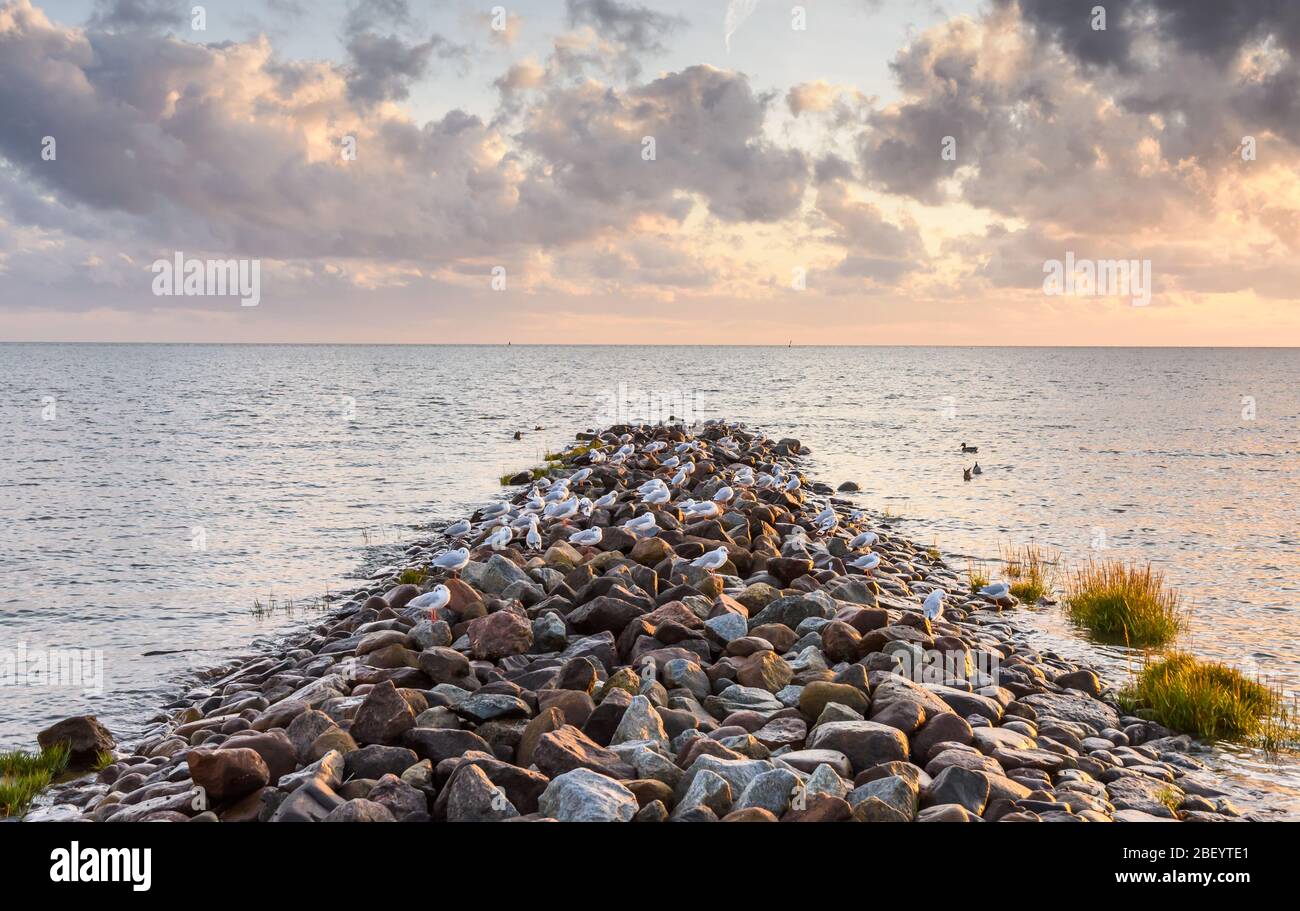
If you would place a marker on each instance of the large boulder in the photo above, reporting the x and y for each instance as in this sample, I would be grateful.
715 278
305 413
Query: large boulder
85 737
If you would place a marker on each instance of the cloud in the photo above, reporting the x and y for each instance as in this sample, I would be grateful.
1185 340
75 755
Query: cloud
637 27
382 67
129 15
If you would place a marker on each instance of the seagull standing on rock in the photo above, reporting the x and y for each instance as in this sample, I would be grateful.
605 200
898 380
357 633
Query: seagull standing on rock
590 536
451 560
457 529
866 539
934 604
500 538
866 562
712 560
436 597
534 538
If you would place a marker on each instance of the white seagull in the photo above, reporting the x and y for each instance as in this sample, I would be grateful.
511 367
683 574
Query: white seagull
451 560
866 539
866 562
587 536
457 529
711 560
500 538
436 597
534 538
724 495
934 604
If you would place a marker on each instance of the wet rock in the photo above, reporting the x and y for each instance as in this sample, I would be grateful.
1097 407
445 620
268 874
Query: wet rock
85 737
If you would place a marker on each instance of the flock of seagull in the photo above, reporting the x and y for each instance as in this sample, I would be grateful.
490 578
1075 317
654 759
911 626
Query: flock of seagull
565 501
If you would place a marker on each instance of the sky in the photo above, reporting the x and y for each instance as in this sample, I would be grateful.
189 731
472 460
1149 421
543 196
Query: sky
671 172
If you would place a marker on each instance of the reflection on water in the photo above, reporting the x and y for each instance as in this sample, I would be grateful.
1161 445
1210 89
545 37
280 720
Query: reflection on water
171 487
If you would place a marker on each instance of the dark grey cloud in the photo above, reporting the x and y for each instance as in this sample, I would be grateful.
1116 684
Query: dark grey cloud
127 15
383 59
637 27
707 127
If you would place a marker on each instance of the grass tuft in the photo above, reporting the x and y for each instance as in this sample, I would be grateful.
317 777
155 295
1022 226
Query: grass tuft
1029 571
1209 700
23 775
978 577
1125 603
411 576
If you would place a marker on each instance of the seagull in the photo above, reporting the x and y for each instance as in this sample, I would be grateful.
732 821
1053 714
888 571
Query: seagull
705 510
656 446
496 509
793 484
557 493
643 526
866 562
579 476
866 539
585 506
724 495
996 590
672 462
607 500
658 496
534 539
934 604
587 536
712 560
457 529
433 599
451 560
500 538
680 478
563 510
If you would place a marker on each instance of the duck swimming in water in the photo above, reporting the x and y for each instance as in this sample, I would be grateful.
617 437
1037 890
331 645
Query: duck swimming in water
977 469
965 448
965 474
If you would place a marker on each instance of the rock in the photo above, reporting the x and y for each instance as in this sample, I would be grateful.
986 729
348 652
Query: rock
85 736
310 803
641 722
726 627
304 730
1079 709
582 795
815 697
568 749
383 717
275 748
873 809
955 785
228 774
942 728
848 487
865 743
403 800
499 635
1084 680
359 810
708 789
772 791
897 793
946 812
766 671
472 797
549 633
376 761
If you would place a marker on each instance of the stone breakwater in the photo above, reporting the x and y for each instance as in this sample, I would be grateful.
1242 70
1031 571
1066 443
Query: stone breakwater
673 625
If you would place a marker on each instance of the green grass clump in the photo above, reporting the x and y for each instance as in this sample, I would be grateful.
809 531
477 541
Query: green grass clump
1209 700
23 775
1119 602
411 576
1029 572
978 577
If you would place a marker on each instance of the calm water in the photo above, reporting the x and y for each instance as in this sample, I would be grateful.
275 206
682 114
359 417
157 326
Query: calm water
151 494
